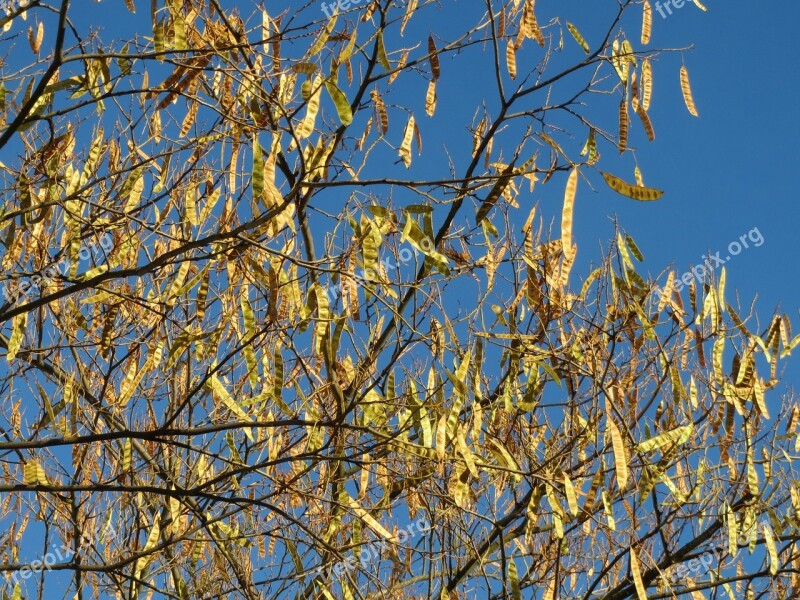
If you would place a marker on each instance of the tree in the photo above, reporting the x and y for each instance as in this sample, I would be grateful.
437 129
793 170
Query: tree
256 347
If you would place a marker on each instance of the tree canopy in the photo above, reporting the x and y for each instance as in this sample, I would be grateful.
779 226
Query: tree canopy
258 343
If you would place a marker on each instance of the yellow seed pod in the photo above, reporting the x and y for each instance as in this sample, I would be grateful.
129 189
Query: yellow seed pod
305 90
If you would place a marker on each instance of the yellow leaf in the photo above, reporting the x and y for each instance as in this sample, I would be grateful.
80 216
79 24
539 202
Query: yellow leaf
733 535
35 39
719 348
578 37
323 36
494 194
129 384
306 127
569 492
277 376
608 509
247 310
434 58
627 52
383 60
686 89
381 116
637 173
371 521
760 399
410 8
305 68
620 458
566 212
647 22
769 540
466 453
158 38
152 542
647 83
258 169
590 147
176 285
190 206
430 99
597 480
340 100
679 435
266 23
322 327
550 591
529 27
631 244
441 437
30 473
636 573
405 147
620 63
18 324
503 455
511 59
513 577
93 272
723 276
645 119
623 125
636 192
132 189
127 454
221 394
752 474
188 120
